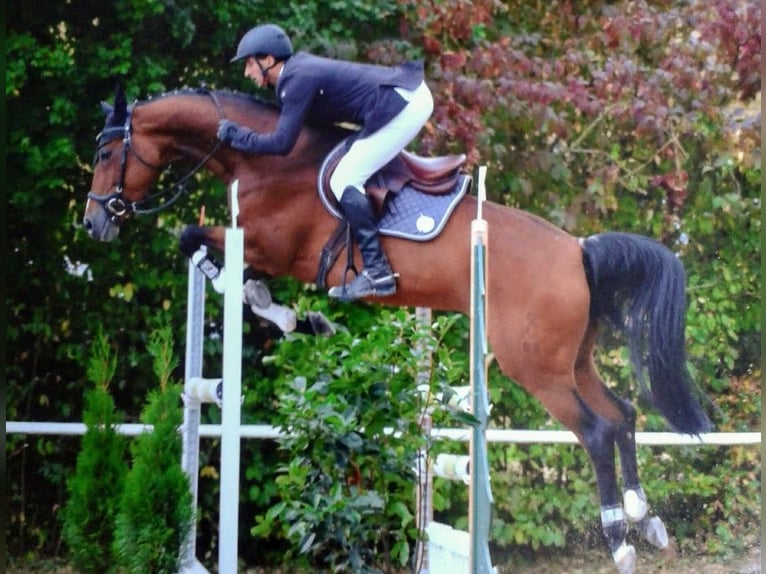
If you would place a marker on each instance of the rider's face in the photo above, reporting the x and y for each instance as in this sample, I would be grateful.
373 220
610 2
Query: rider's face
254 71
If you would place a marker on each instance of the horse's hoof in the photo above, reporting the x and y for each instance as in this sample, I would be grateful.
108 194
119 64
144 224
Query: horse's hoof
636 506
625 559
320 324
282 317
257 294
655 533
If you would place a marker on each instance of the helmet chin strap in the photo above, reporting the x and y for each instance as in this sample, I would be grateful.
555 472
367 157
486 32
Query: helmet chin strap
264 71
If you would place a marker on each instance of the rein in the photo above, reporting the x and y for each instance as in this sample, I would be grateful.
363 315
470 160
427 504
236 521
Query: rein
114 203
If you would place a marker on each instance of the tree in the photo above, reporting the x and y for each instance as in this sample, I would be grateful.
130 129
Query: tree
155 513
95 488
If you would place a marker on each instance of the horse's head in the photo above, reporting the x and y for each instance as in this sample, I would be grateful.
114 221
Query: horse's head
138 142
122 174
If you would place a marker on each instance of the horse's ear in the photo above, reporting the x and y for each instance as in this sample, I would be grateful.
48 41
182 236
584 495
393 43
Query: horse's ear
120 104
106 108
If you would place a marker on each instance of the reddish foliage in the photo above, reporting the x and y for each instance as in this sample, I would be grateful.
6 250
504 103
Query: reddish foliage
641 75
674 184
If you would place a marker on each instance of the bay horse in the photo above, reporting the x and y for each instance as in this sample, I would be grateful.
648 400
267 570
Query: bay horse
549 292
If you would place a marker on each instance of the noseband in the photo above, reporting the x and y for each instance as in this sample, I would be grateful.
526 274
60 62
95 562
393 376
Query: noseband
116 206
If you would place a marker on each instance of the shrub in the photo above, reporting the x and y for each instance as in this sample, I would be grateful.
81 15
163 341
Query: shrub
347 490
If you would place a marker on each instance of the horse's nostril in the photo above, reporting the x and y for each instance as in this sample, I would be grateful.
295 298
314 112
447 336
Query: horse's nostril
87 223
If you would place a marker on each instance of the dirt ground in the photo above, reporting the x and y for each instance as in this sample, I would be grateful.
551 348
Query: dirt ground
649 562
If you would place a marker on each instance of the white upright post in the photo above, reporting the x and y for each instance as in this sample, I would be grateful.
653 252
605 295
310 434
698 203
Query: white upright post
424 494
195 311
232 392
480 498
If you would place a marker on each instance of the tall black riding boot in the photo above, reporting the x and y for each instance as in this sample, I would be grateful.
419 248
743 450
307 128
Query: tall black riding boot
376 279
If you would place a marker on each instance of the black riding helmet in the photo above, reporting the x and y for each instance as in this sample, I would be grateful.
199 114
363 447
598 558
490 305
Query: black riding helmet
267 39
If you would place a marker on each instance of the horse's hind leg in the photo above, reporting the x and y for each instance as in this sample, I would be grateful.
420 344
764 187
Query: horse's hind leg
622 416
596 433
634 497
598 436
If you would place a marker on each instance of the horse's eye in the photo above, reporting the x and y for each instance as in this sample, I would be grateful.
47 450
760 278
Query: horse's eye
102 155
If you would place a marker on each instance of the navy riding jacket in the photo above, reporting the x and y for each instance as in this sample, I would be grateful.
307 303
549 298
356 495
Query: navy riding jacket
325 91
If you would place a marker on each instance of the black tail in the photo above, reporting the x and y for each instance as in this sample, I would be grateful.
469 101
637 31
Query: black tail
638 286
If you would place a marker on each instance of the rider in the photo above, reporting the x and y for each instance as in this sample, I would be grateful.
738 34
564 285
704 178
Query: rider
390 104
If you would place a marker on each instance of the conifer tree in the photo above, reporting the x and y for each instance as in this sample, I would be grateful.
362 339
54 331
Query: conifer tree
95 488
156 509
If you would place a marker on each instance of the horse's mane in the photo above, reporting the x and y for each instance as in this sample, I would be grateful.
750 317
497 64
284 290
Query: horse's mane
236 96
332 134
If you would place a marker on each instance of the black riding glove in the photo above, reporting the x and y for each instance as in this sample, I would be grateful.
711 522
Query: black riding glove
238 137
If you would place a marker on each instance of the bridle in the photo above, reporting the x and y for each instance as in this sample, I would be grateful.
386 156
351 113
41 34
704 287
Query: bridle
116 206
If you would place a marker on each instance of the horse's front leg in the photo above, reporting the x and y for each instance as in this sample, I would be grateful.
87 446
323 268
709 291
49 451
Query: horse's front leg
193 237
194 242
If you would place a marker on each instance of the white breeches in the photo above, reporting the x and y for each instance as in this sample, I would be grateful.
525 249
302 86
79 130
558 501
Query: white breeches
367 155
